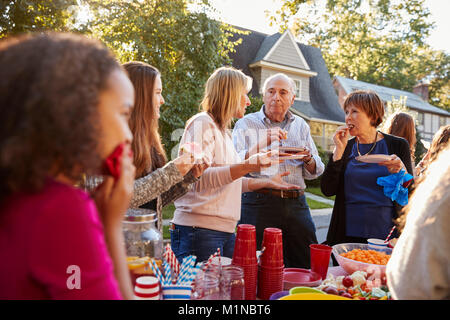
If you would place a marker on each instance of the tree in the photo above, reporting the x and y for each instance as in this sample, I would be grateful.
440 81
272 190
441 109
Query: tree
21 16
377 41
184 44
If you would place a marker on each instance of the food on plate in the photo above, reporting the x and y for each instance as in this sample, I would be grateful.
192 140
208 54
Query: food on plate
347 281
362 288
367 256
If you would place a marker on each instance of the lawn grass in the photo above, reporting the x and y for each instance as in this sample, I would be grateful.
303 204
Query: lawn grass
318 192
313 204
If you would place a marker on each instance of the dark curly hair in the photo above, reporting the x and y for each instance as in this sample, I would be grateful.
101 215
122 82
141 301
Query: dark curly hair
49 94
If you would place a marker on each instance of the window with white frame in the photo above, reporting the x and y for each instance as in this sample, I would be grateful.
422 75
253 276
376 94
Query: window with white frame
298 86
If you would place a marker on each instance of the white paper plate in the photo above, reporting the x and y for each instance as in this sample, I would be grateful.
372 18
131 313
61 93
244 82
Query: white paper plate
293 157
374 158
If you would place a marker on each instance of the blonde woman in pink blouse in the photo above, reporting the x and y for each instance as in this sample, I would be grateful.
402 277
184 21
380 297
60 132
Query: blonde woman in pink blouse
206 217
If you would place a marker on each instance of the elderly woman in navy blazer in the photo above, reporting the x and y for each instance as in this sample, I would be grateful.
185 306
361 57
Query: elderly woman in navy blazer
361 209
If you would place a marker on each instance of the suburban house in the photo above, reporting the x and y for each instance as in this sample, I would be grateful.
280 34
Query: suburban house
261 55
429 118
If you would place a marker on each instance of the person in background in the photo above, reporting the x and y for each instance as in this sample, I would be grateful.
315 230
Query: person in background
158 183
402 125
206 217
65 104
419 267
440 141
287 210
361 209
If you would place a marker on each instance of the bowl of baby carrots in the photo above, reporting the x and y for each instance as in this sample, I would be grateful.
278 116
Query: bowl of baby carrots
358 257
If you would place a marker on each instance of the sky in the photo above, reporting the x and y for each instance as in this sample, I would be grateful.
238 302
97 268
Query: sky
251 14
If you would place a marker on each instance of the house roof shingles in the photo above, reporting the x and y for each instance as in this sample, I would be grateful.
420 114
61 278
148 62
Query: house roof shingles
413 101
323 103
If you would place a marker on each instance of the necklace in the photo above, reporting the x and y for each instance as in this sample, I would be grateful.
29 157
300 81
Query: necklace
371 149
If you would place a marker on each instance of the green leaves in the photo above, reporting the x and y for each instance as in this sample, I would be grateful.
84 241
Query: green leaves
185 45
377 41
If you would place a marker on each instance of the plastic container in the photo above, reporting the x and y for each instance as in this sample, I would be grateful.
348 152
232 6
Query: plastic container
278 295
375 244
350 266
296 290
320 258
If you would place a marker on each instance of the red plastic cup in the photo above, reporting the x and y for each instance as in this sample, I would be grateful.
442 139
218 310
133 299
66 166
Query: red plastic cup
320 258
272 256
250 280
272 235
244 252
245 245
270 280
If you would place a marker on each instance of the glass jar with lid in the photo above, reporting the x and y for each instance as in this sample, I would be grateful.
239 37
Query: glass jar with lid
142 238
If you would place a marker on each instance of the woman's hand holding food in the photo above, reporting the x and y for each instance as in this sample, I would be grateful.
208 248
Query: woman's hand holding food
340 139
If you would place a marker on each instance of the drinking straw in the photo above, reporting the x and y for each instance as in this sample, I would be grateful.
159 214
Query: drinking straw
217 253
170 257
167 272
156 271
184 269
389 235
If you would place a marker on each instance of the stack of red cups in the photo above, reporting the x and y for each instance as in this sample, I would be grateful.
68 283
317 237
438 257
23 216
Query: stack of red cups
270 273
244 255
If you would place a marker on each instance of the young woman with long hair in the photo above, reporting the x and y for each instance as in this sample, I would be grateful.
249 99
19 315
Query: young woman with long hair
158 182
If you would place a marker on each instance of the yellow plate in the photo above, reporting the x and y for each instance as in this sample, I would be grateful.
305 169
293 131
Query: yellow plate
312 296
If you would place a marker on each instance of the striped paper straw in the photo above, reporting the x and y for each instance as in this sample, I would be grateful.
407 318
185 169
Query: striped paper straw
170 257
217 253
193 274
389 235
156 271
167 272
188 279
184 270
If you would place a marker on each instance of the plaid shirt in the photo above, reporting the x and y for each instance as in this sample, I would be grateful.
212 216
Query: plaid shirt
249 129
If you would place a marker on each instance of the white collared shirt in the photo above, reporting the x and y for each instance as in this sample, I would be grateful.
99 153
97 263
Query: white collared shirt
248 130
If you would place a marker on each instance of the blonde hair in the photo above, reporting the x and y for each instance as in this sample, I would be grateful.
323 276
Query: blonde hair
223 94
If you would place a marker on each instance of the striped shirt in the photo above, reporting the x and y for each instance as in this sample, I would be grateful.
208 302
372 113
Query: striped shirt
248 130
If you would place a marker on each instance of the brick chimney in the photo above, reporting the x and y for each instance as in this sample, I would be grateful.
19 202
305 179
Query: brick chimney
421 89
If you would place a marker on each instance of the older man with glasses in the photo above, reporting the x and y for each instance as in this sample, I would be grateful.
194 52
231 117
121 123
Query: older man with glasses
285 209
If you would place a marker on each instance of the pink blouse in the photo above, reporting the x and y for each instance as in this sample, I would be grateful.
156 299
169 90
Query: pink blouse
52 247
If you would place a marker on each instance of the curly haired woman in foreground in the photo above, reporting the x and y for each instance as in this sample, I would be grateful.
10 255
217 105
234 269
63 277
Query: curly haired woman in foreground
65 104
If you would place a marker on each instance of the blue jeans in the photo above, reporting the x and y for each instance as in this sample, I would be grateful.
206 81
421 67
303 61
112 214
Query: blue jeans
292 216
200 242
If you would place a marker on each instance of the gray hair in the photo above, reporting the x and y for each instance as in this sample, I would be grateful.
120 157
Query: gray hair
280 75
